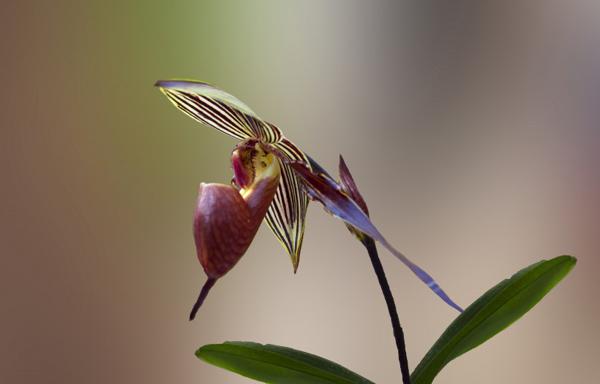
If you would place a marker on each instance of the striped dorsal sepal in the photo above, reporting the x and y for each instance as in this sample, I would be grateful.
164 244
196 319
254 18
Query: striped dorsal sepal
218 109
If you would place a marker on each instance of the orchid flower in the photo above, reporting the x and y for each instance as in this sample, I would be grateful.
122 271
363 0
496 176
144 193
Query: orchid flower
273 180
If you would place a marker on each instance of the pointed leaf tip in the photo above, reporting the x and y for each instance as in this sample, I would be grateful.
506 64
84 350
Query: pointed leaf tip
493 312
276 364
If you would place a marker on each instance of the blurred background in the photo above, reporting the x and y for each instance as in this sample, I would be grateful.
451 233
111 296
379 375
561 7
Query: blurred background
470 127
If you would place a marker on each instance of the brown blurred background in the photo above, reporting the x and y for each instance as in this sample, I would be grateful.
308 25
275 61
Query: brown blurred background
471 128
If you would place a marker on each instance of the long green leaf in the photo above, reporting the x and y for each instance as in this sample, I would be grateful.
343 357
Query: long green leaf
491 313
275 364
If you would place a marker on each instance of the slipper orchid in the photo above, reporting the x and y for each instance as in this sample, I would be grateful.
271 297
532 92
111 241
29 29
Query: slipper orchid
273 179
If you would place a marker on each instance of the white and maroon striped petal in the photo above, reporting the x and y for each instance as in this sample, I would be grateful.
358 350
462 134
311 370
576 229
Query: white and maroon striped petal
218 109
287 214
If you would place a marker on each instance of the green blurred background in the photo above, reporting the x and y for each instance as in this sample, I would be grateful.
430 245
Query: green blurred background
471 128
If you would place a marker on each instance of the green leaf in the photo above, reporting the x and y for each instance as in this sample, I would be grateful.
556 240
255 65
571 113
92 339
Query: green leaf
275 364
491 313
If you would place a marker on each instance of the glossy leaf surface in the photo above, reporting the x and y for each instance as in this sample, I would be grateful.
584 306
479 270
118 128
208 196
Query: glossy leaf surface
275 364
498 308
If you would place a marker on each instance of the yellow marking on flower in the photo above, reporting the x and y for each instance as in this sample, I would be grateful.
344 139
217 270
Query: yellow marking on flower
265 166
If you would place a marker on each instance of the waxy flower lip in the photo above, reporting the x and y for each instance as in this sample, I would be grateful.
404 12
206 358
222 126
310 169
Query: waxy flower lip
223 228
226 219
301 177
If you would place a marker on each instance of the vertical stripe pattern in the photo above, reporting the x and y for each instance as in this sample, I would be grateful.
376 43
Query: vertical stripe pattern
222 111
286 215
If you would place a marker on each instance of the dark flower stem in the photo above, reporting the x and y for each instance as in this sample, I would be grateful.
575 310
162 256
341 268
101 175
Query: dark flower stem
369 243
203 293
